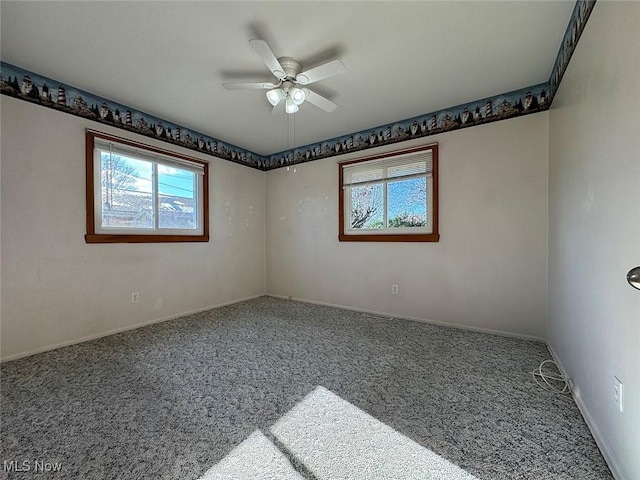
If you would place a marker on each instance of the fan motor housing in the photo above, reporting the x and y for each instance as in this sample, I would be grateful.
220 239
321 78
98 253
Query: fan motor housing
291 66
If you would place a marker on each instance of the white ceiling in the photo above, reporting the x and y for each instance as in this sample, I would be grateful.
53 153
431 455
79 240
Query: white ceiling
170 59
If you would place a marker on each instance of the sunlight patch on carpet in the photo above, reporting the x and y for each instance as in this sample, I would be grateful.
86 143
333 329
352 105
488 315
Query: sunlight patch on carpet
257 458
334 440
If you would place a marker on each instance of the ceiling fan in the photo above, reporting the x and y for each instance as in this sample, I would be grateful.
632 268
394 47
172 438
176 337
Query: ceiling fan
290 91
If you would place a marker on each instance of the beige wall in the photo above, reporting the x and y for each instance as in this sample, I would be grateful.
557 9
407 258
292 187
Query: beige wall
56 289
489 270
594 228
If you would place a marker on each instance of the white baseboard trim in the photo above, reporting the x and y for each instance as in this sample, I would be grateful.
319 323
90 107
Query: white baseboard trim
121 329
607 452
415 319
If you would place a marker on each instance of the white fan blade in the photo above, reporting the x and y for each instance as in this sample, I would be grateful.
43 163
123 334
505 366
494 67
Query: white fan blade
249 86
319 101
335 67
278 109
266 54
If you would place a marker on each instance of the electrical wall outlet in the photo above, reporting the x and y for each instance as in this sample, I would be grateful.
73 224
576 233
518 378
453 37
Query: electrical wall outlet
618 394
394 289
135 297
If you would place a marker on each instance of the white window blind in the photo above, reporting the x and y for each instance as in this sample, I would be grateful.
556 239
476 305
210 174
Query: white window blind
141 154
396 168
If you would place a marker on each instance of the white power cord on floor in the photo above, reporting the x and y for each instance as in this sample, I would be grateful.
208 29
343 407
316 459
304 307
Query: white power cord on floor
542 378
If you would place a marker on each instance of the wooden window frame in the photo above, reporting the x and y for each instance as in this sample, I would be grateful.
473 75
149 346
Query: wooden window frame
434 236
93 237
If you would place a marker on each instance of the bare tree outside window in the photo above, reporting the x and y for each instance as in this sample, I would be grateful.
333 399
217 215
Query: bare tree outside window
117 174
367 206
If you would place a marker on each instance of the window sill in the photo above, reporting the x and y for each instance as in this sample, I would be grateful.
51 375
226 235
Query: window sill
105 238
427 237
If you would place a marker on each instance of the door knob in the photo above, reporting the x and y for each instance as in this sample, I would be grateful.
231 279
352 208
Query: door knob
633 277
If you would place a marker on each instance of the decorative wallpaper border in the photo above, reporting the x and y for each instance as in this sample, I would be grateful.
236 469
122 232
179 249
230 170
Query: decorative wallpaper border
581 12
25 85
500 107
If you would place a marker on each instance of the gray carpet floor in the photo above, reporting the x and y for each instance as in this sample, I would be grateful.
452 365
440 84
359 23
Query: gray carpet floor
171 400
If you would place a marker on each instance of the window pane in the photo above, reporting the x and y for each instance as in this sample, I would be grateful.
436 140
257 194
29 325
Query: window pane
127 200
367 206
407 203
176 198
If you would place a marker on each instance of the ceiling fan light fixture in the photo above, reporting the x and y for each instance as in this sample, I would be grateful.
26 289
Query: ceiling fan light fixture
290 106
275 96
297 95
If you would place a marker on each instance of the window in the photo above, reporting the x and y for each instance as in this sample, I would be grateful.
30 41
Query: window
137 193
391 197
